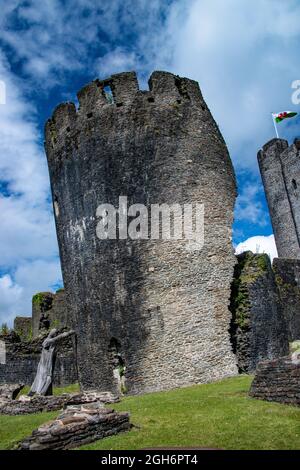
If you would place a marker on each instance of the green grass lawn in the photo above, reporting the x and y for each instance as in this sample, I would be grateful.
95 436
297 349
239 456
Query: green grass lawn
219 415
15 428
74 388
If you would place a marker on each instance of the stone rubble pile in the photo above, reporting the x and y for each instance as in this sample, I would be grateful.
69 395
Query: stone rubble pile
77 425
38 403
9 391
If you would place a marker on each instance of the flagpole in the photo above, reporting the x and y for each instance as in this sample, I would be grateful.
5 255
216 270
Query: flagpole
275 126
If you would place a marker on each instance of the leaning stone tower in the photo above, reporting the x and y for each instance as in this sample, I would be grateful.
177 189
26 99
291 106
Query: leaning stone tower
150 314
280 170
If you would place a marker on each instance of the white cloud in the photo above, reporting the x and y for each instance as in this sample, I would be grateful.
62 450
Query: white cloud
259 244
117 61
16 292
57 37
244 56
27 237
22 162
10 295
27 230
249 207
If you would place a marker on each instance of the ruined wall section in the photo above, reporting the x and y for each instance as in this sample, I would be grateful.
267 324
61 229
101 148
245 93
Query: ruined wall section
22 358
23 327
50 311
287 275
158 304
278 381
258 326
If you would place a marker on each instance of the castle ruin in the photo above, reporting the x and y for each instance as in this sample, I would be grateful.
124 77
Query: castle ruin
152 313
279 165
280 170
154 308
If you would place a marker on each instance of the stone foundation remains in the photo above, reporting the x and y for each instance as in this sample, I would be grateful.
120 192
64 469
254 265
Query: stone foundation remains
75 426
39 403
278 381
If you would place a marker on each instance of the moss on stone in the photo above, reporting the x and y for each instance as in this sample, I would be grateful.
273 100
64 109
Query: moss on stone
29 335
285 287
55 324
38 298
4 329
253 266
295 346
263 262
250 267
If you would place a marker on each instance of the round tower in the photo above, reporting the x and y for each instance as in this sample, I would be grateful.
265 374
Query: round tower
150 313
280 170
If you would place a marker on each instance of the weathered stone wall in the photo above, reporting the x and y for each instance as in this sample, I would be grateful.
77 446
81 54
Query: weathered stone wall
41 316
277 380
287 274
159 305
50 311
25 404
75 426
258 327
280 170
22 360
23 327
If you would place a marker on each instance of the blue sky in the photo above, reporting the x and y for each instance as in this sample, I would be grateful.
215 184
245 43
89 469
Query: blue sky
244 55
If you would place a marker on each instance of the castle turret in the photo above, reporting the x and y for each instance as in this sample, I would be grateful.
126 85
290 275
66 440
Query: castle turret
280 170
150 313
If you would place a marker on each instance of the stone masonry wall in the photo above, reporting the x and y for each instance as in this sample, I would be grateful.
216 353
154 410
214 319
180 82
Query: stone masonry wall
280 170
23 326
75 426
287 275
277 380
50 311
22 360
258 327
159 307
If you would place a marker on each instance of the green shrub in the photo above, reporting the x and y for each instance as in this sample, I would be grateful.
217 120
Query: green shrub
4 330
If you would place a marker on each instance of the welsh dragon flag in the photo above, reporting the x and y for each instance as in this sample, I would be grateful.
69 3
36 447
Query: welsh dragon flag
284 115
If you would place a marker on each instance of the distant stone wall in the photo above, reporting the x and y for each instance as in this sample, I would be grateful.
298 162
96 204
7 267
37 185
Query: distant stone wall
277 380
50 311
287 275
23 326
258 327
22 360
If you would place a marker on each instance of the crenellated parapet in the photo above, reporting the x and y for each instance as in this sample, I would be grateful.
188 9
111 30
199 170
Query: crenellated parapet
165 90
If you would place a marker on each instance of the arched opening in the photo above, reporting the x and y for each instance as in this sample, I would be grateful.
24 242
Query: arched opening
118 364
